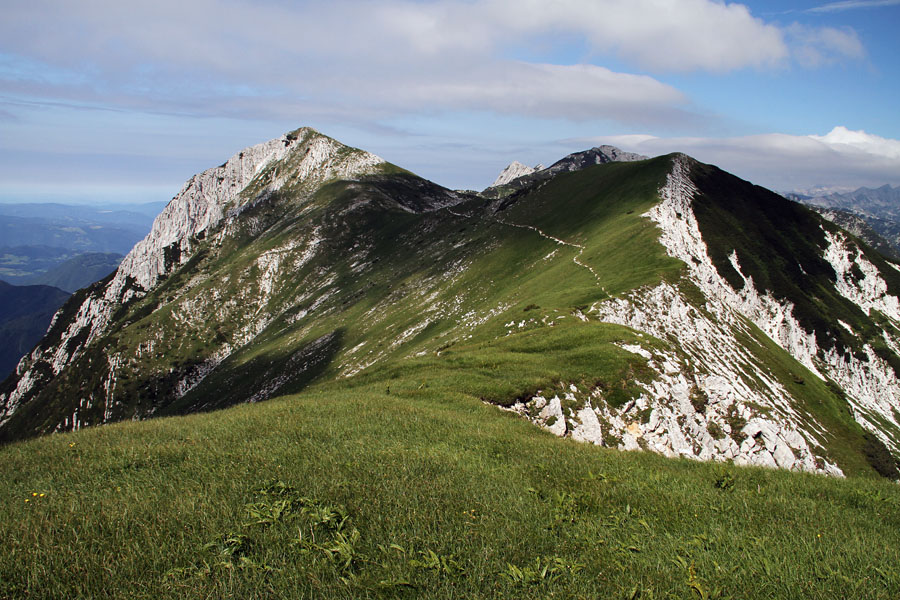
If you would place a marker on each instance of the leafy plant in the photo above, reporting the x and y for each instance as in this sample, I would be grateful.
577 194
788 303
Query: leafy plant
724 480
343 550
542 569
444 565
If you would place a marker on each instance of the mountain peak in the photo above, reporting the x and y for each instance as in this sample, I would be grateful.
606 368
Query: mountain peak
597 155
300 161
302 156
514 170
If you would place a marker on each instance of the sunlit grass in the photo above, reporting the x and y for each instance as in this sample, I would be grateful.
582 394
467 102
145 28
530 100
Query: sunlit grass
448 498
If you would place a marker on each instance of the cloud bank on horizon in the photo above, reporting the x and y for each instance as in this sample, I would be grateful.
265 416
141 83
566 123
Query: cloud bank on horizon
105 95
864 157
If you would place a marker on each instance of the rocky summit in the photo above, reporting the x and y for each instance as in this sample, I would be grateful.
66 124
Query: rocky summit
655 304
514 170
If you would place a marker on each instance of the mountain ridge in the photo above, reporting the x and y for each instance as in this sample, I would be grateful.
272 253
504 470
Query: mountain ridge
337 271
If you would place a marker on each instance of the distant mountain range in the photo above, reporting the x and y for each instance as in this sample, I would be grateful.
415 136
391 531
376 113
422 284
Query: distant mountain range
51 250
871 213
879 202
79 271
39 239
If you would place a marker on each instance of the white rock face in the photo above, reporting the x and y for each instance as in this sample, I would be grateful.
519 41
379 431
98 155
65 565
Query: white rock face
514 170
691 405
717 370
205 198
867 289
871 385
199 206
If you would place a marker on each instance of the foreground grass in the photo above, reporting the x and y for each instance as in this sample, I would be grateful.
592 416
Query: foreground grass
359 493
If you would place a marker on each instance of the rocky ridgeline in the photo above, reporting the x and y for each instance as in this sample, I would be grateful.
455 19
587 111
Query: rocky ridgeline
598 155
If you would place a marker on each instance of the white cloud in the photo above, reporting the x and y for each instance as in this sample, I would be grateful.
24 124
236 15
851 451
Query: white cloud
579 92
784 162
846 140
664 36
380 57
350 60
659 35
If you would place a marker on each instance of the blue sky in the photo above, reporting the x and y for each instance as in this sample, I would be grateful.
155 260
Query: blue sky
123 101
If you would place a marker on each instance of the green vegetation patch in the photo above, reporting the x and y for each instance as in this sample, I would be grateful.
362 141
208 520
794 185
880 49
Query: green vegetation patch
601 208
517 366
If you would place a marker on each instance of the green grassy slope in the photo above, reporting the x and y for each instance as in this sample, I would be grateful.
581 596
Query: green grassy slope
600 208
507 271
417 493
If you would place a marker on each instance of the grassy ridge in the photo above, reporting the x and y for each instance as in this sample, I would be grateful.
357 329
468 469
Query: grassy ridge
600 208
410 255
355 492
